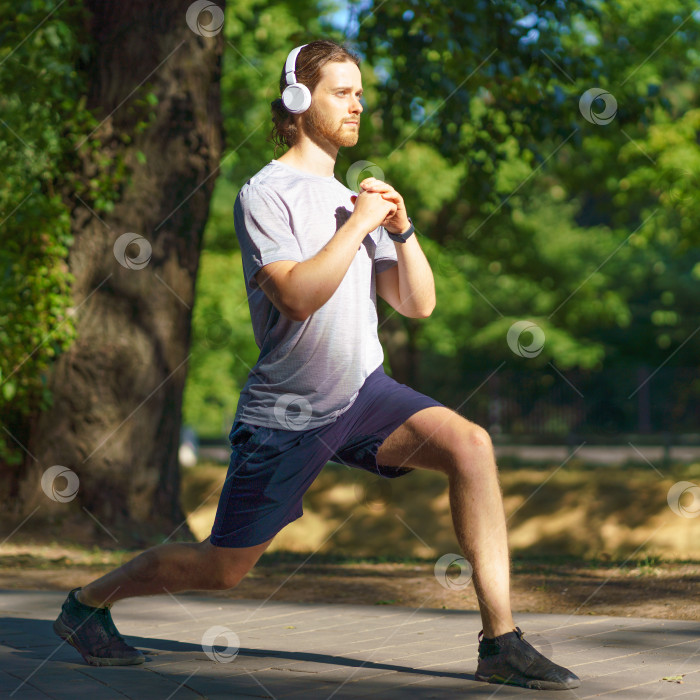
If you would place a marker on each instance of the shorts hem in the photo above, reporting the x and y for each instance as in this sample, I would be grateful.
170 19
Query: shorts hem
251 541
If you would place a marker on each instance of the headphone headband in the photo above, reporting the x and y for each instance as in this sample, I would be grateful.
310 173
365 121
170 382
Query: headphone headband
296 97
290 65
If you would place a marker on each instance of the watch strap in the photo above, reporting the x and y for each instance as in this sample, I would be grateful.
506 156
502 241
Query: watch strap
403 237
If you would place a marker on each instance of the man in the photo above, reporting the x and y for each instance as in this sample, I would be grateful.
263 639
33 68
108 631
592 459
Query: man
315 255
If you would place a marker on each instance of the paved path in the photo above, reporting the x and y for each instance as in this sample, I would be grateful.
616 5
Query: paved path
305 652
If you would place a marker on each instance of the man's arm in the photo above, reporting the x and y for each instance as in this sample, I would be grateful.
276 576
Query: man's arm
298 289
409 287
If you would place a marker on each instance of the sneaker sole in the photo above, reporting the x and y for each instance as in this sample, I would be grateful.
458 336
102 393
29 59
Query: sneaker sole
66 633
532 684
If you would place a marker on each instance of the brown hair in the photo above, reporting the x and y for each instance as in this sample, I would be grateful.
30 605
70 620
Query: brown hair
309 62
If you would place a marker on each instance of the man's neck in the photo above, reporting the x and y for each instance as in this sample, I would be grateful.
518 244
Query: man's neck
311 159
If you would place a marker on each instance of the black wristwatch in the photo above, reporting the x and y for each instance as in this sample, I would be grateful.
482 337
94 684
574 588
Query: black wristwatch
403 237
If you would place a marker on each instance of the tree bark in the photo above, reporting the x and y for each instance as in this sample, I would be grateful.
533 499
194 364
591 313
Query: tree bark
115 420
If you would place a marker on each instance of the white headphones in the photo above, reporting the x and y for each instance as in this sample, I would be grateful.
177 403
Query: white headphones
296 96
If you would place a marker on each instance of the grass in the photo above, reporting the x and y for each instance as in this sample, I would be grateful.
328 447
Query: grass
54 555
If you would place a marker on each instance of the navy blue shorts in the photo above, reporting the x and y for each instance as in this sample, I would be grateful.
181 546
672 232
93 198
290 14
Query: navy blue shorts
270 468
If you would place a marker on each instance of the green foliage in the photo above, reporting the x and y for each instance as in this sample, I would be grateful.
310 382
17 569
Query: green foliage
222 354
552 219
44 121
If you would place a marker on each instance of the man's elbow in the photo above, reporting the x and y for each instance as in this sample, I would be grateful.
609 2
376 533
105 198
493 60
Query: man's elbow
428 309
299 309
415 312
297 315
289 311
423 313
422 308
294 312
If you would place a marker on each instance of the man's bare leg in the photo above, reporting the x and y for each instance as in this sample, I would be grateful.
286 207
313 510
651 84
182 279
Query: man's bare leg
439 439
173 567
476 505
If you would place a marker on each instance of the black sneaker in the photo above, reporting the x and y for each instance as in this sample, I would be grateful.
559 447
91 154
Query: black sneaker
93 633
510 660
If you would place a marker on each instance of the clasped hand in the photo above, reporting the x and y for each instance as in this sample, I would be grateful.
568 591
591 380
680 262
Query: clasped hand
398 221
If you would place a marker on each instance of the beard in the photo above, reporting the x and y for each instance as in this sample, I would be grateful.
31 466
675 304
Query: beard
322 130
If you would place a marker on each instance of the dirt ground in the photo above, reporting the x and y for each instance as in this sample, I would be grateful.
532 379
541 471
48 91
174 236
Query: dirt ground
647 588
584 540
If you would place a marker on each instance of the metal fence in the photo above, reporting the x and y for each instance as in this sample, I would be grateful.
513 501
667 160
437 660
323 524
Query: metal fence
639 412
550 404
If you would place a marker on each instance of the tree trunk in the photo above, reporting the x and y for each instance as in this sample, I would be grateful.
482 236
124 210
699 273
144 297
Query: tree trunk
117 391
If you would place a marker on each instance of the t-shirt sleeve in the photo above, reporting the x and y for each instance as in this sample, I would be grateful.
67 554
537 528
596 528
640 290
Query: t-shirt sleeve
263 230
385 253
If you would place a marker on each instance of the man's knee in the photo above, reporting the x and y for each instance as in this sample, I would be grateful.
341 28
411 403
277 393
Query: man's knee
227 566
473 447
477 438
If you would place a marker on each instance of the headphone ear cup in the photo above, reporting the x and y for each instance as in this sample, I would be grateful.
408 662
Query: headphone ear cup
296 98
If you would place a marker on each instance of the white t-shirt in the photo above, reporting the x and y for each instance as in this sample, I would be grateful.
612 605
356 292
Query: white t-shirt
308 372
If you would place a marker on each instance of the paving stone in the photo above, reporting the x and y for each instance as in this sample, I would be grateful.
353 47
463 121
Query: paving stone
68 684
150 684
11 687
310 651
10 684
